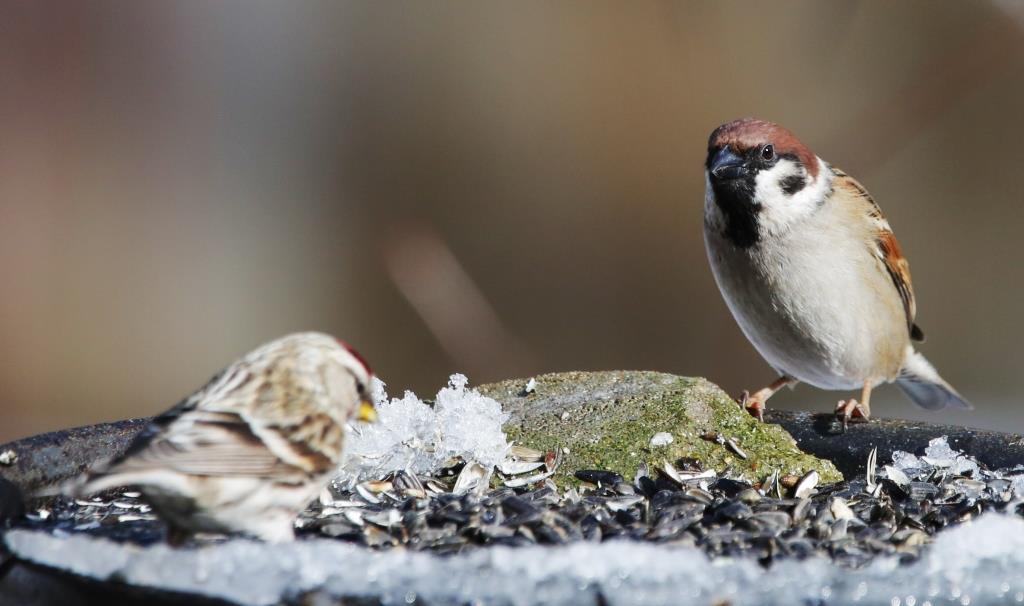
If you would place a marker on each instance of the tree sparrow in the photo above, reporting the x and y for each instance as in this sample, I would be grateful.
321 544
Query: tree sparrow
249 450
811 271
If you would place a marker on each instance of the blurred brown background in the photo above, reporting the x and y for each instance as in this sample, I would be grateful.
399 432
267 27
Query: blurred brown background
499 189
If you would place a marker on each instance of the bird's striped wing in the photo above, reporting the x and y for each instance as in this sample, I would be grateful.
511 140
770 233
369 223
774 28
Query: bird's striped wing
885 247
206 444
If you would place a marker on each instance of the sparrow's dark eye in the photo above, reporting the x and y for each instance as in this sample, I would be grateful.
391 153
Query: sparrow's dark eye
768 152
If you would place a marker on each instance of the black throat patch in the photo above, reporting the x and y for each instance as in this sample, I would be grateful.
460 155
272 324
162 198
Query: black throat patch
735 198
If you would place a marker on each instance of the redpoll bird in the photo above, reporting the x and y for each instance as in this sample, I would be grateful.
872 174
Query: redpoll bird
250 450
811 271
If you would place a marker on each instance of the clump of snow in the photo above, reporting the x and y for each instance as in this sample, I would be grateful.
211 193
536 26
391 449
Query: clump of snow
1017 486
411 435
906 461
8 457
662 438
975 563
937 454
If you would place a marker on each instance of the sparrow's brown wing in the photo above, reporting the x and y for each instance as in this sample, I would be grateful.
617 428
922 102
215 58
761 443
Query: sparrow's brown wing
205 443
217 432
885 247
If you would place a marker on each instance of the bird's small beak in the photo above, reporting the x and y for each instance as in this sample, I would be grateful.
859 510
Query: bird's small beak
367 413
727 165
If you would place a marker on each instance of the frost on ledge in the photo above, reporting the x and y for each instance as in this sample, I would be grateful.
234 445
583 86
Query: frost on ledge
977 563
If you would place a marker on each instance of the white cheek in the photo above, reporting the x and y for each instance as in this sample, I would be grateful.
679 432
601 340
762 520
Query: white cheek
779 210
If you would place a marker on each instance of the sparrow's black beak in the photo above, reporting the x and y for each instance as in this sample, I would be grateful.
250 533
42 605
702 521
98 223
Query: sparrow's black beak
727 165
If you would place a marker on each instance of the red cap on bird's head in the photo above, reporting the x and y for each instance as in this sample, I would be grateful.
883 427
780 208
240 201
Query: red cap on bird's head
355 354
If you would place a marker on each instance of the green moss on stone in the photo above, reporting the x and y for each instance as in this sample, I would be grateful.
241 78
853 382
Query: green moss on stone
606 420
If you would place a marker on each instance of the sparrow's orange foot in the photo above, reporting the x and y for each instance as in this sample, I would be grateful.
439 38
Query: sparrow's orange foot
754 404
851 409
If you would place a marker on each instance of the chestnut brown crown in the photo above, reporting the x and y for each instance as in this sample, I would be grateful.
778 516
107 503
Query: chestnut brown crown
746 134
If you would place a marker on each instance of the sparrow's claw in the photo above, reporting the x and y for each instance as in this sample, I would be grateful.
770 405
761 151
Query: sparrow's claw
851 409
752 404
742 401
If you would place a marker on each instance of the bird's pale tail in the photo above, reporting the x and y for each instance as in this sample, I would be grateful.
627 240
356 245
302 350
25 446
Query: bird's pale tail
91 484
923 385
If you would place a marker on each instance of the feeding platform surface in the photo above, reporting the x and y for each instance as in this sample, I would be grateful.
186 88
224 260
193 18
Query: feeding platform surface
932 519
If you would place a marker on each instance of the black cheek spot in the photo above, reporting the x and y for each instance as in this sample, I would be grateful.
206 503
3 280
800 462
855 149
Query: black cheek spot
792 184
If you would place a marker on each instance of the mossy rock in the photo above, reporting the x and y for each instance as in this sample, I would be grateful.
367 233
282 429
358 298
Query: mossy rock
606 420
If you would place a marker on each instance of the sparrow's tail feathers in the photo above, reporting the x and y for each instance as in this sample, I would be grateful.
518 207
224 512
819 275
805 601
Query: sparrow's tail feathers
923 385
78 487
87 485
103 476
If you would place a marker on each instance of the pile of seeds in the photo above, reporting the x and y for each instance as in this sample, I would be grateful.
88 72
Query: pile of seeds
894 510
120 515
